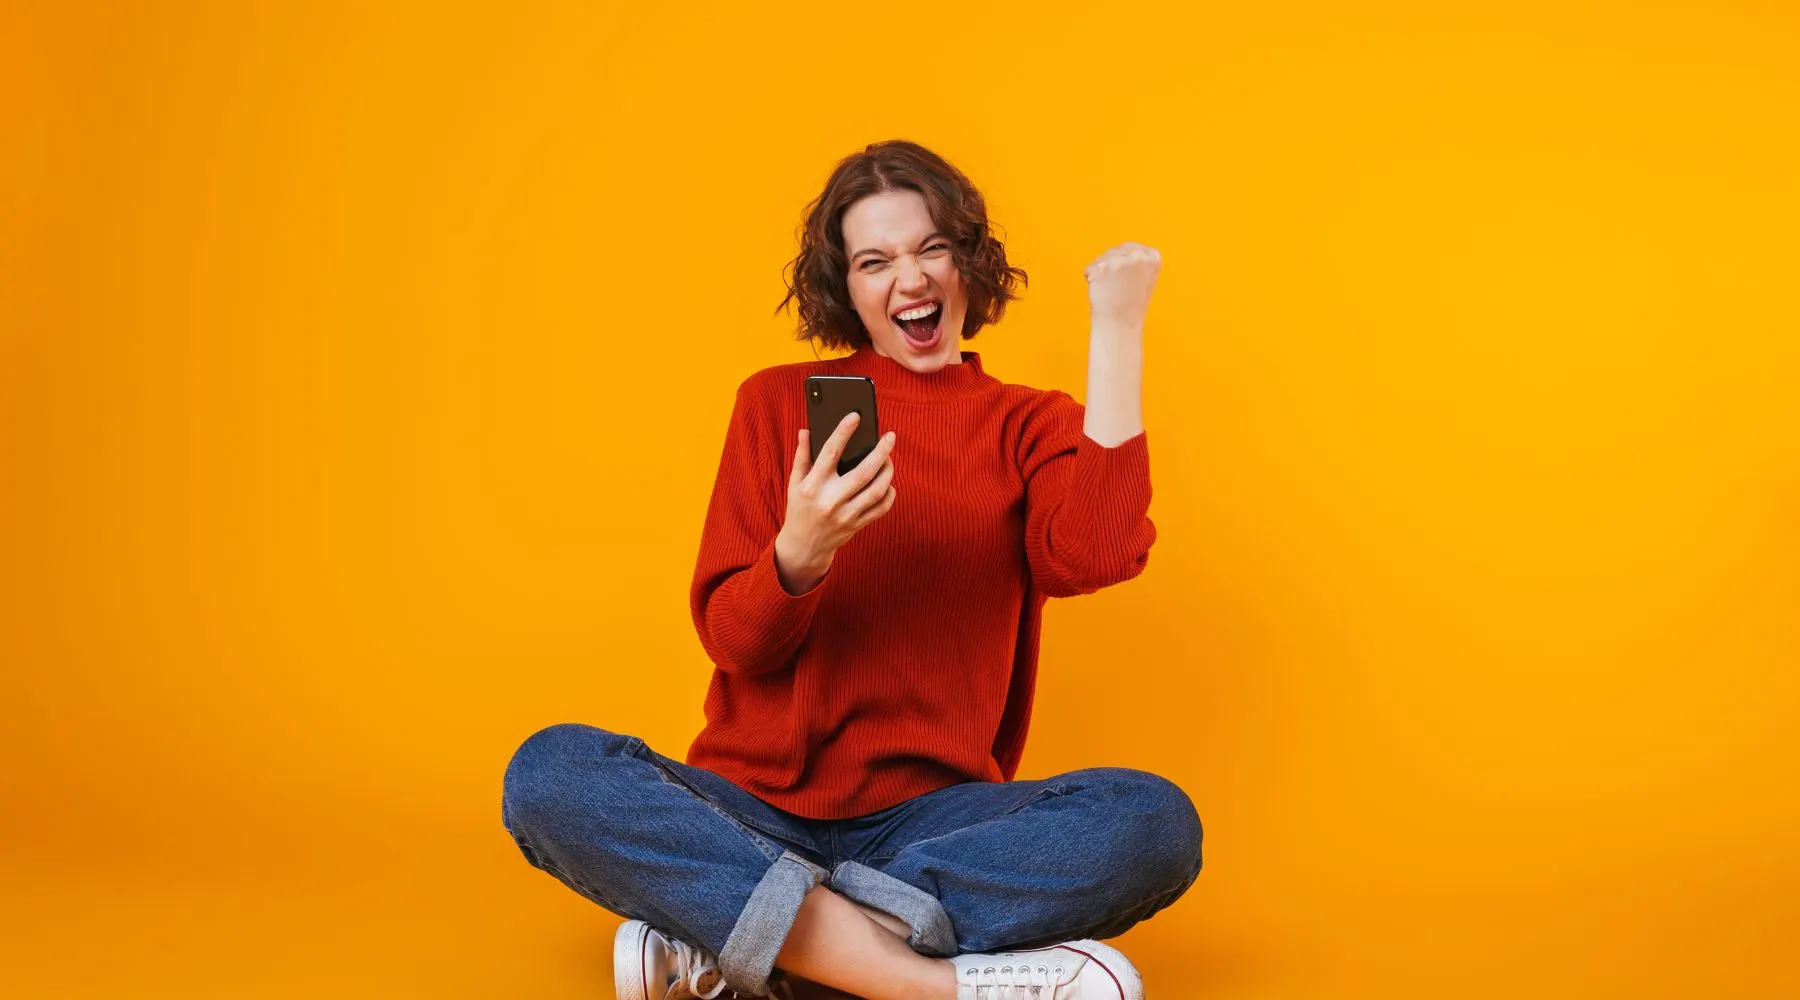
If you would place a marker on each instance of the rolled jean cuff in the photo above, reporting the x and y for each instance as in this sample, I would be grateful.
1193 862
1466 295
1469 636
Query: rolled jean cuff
749 953
932 933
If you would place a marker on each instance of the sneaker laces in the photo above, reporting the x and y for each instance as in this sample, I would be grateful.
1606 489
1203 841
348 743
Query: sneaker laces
1018 982
691 966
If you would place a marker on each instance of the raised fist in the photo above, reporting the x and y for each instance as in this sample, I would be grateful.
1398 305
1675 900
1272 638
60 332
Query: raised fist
1119 284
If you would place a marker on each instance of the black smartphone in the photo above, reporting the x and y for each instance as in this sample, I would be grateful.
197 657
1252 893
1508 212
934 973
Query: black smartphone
829 398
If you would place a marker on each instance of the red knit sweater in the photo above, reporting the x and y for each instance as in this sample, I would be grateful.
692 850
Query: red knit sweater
911 666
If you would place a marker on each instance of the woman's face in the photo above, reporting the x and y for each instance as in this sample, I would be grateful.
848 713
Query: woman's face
898 260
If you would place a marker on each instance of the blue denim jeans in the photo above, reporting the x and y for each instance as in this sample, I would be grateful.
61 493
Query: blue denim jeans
974 867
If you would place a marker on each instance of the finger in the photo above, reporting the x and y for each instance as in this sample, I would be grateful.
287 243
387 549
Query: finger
854 510
876 512
802 460
826 465
865 470
870 495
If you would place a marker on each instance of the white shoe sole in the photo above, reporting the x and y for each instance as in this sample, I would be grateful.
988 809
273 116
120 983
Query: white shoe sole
628 961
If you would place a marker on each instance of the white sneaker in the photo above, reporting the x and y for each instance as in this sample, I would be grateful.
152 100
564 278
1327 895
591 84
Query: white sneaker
1078 970
651 965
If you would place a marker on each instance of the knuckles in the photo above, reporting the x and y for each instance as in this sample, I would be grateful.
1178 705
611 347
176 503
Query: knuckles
1126 255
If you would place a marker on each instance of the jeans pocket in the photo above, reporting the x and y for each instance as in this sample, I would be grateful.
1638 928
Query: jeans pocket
1039 795
731 802
1025 800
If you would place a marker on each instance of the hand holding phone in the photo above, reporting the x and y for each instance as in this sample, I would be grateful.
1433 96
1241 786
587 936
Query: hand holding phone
825 507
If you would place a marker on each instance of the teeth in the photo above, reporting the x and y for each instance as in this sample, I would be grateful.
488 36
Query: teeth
919 313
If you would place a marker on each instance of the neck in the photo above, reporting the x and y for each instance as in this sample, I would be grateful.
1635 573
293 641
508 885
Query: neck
894 380
954 359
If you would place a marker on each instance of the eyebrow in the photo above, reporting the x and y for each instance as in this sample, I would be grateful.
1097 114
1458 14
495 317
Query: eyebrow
922 242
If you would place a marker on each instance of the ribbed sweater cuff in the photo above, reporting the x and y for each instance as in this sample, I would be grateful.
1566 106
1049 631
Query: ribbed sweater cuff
1109 493
772 618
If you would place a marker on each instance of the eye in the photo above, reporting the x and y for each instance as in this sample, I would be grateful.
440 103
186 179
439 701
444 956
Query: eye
937 246
864 266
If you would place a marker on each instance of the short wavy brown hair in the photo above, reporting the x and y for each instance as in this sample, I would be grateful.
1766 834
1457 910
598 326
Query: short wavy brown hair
818 278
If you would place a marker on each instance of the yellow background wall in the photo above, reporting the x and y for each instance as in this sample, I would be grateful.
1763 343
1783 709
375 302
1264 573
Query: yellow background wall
334 340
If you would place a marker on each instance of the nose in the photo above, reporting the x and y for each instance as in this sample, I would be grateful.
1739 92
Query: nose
911 275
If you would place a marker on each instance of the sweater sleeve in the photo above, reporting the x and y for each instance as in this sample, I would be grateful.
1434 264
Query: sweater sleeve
1086 505
747 621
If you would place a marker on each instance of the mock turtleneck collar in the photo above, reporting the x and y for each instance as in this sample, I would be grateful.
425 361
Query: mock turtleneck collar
895 380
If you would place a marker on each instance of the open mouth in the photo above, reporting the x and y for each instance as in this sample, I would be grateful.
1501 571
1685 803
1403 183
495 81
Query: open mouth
920 323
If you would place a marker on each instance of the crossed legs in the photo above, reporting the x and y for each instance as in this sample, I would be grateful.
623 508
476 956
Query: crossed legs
972 868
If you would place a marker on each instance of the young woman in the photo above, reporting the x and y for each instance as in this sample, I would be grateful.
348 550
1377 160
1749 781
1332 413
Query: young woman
848 815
